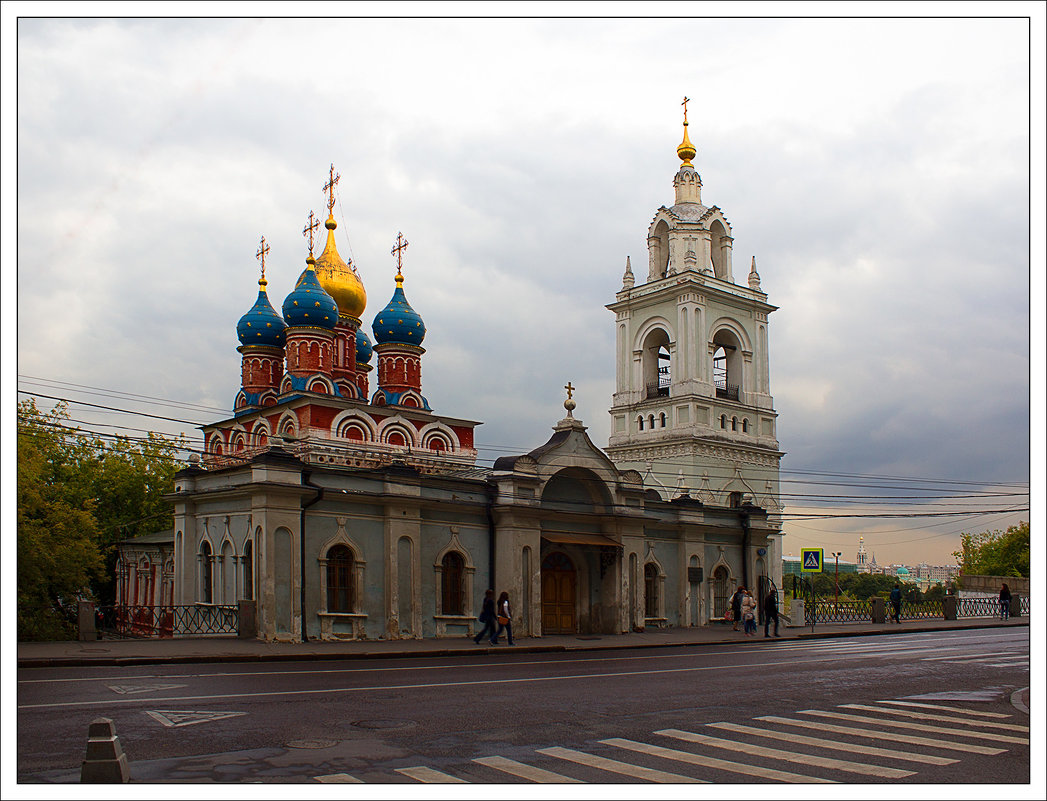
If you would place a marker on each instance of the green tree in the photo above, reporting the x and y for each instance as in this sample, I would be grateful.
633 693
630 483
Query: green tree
78 496
995 553
57 553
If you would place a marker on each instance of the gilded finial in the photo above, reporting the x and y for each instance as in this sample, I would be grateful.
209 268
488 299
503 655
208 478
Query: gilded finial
263 251
398 251
314 223
686 151
329 189
569 404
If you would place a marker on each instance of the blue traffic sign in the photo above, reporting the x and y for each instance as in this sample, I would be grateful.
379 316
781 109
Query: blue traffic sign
811 560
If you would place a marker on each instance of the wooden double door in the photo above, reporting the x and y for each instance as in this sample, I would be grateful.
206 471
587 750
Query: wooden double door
559 594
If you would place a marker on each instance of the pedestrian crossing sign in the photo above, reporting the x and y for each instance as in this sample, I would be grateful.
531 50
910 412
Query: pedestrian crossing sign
811 560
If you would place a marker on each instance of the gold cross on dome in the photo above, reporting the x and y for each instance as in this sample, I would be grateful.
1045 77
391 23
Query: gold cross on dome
398 251
314 223
686 100
263 250
329 188
569 389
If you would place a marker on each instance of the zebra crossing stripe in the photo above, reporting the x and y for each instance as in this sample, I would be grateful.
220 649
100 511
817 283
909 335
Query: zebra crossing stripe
338 778
901 724
985 724
713 762
1007 664
853 748
623 768
964 657
984 660
430 776
529 772
788 756
943 708
879 734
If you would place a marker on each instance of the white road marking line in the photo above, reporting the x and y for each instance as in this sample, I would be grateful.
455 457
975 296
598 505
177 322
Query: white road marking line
959 657
338 778
1007 664
733 667
944 708
980 659
177 717
853 748
430 776
529 772
623 768
713 762
131 689
985 724
900 724
879 734
788 756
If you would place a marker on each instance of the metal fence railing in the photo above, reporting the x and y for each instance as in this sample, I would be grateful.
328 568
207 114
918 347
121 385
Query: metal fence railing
166 621
830 611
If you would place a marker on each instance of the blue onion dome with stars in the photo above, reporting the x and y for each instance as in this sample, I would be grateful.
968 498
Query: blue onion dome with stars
398 322
363 347
309 304
262 325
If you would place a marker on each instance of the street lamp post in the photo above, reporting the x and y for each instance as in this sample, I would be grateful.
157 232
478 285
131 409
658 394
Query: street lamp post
836 601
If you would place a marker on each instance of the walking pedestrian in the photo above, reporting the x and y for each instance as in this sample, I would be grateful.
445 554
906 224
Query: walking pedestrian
487 617
770 611
749 614
1005 602
896 604
736 605
505 620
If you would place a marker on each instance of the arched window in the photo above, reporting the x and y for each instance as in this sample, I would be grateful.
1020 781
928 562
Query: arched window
206 574
650 584
734 424
745 425
727 364
639 422
340 579
723 421
661 417
650 421
453 584
720 591
248 564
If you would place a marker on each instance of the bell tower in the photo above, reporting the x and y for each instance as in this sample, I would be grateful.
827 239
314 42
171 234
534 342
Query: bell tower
692 409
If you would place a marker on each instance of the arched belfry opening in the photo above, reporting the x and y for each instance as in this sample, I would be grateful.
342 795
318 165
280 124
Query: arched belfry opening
727 364
658 250
657 364
717 240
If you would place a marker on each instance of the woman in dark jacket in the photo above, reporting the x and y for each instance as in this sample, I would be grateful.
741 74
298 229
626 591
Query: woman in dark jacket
1005 602
487 617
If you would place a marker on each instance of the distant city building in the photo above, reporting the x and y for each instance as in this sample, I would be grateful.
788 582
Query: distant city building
862 566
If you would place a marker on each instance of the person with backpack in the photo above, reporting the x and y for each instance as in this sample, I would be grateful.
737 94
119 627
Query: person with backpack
896 604
487 617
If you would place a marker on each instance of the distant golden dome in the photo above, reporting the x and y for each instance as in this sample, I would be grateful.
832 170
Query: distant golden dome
338 279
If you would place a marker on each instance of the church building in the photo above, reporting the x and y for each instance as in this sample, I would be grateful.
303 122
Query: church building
340 504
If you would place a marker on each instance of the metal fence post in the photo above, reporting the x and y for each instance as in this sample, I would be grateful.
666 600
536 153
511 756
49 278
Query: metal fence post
949 607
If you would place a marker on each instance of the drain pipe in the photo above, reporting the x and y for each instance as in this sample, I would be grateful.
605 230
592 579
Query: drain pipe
490 540
306 475
745 548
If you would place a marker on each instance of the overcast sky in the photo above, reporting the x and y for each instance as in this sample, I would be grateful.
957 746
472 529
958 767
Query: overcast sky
878 170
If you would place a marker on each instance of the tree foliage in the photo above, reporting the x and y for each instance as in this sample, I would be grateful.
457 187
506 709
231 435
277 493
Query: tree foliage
79 495
995 553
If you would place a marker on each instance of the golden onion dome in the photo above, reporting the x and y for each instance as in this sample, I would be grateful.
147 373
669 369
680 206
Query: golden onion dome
339 279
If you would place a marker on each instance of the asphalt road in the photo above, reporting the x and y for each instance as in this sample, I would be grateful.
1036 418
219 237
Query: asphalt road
940 707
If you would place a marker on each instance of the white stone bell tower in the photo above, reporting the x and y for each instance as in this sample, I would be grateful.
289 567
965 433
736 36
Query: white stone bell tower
692 408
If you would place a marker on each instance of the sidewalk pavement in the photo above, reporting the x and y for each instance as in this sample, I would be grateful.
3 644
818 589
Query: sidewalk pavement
233 649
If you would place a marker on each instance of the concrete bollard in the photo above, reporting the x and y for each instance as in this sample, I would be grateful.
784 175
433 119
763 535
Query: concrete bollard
949 607
106 761
879 610
798 616
1016 606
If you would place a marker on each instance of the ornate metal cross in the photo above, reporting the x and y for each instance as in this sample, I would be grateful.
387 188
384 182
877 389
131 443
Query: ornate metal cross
263 250
398 251
686 100
569 389
329 188
314 223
